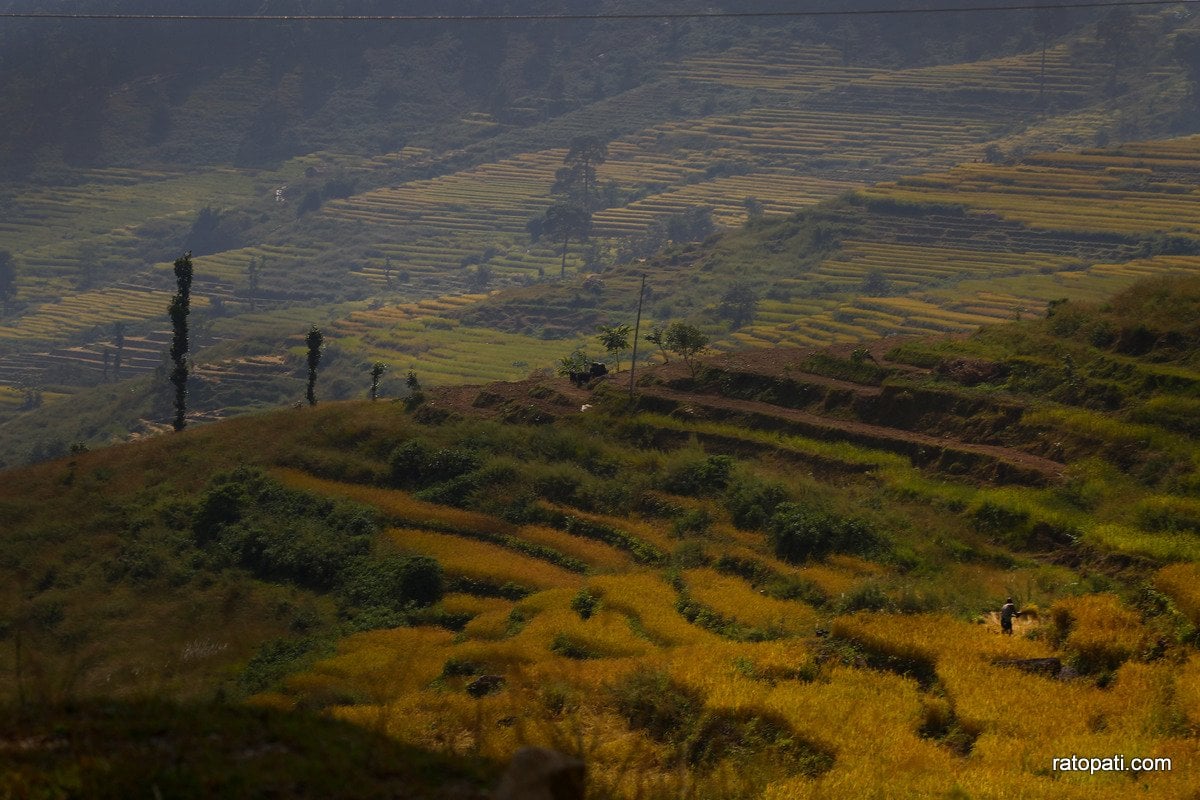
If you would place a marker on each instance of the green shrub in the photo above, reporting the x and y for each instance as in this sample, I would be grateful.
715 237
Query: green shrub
245 519
752 503
558 485
650 701
276 659
569 647
993 518
456 667
866 596
798 533
745 734
689 555
585 603
703 476
415 464
407 462
695 522
394 582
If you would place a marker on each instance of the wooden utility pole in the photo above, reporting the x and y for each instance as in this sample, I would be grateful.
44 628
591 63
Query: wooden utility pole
637 327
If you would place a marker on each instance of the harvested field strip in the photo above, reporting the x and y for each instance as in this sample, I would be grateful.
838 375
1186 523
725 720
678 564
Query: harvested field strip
837 455
596 555
482 561
97 205
401 508
11 397
1181 582
648 599
732 599
230 266
642 544
810 68
442 351
778 193
1127 190
1064 75
87 310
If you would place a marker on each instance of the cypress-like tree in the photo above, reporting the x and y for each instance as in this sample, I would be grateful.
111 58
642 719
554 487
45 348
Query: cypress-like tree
314 340
377 370
178 310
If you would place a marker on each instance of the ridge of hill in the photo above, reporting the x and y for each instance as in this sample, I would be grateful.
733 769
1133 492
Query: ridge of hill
736 582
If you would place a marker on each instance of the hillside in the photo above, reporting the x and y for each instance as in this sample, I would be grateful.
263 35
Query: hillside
776 576
390 227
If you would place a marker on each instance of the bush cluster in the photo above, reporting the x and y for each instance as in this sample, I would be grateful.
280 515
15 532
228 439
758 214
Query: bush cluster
701 476
415 465
798 533
247 520
649 700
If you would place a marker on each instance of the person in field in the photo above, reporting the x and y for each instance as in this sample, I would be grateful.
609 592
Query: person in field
1007 612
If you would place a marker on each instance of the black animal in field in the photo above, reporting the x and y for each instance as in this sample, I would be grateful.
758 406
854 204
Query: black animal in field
596 370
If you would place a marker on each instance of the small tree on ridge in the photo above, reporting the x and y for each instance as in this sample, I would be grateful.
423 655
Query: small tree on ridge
615 339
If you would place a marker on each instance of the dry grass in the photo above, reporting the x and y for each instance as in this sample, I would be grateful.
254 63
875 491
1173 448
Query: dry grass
1181 582
733 599
483 561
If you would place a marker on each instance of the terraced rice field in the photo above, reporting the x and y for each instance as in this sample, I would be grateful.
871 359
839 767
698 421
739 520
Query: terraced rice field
10 398
421 337
929 697
1066 77
1137 188
1039 230
780 192
434 265
88 310
428 228
819 129
808 68
791 69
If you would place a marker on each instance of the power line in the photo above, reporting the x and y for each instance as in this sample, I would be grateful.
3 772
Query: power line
681 15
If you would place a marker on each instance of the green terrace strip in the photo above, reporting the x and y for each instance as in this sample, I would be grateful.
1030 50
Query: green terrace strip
838 454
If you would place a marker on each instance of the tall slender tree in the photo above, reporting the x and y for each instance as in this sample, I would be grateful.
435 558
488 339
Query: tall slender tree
178 310
564 222
577 178
377 370
314 340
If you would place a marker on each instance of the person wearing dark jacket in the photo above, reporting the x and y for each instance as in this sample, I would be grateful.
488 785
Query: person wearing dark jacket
1007 612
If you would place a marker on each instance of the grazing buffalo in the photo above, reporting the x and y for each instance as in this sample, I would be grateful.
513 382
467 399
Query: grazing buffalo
594 370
